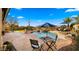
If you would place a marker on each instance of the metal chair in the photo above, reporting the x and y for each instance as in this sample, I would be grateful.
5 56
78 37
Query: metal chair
52 43
35 45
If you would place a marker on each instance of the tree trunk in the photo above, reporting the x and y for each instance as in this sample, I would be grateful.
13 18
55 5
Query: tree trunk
68 26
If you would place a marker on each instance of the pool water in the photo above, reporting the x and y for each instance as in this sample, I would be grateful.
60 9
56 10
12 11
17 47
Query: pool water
44 34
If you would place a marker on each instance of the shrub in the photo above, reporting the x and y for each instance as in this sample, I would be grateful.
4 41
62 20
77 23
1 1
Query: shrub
77 43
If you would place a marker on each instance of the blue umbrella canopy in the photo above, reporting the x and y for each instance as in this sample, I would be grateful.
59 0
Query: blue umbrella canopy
47 25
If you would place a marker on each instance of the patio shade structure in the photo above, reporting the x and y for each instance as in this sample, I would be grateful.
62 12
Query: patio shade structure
3 14
0 29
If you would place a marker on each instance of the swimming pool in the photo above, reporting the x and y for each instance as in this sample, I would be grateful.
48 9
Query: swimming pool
44 34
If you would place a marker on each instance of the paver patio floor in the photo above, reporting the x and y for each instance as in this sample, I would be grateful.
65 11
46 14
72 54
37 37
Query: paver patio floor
22 43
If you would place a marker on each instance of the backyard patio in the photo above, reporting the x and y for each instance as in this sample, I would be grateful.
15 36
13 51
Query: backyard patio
22 43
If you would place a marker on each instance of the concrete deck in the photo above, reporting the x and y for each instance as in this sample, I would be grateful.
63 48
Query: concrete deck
22 43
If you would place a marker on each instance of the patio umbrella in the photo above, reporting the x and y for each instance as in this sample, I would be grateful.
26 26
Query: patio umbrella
47 25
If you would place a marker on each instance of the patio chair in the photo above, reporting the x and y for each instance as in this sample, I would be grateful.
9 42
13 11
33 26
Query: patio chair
52 43
35 45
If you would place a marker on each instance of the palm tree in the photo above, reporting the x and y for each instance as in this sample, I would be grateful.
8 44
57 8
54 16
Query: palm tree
67 21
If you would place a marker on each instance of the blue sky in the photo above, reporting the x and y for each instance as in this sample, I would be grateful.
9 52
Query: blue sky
39 16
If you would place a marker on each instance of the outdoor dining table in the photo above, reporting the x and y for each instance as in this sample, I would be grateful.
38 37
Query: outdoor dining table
52 42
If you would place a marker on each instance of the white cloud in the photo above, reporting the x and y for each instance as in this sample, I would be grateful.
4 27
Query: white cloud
59 8
74 16
71 10
20 17
18 8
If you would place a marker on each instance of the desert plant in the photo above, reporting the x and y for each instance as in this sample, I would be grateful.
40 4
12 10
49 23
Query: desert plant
12 23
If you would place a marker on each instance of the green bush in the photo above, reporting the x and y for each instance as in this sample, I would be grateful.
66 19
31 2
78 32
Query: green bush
77 43
9 46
